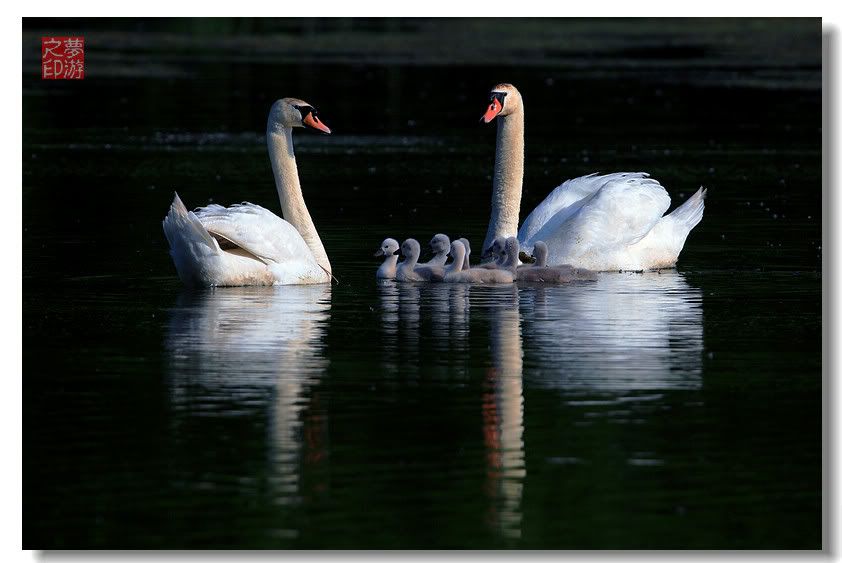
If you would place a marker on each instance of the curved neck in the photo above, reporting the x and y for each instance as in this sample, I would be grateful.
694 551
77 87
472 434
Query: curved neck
508 178
281 154
457 265
410 261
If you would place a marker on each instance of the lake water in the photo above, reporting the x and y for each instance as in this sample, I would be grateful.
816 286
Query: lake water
679 409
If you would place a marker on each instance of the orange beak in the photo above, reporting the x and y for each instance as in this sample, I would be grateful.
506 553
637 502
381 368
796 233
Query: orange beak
494 108
313 121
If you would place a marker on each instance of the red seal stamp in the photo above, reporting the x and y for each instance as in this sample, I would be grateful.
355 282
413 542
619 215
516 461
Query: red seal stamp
62 58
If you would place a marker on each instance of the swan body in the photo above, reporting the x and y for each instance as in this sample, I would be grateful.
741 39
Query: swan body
387 270
455 274
600 222
247 244
239 245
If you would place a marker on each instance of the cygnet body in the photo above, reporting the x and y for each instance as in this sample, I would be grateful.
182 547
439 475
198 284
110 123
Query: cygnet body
542 273
387 270
455 274
497 254
409 270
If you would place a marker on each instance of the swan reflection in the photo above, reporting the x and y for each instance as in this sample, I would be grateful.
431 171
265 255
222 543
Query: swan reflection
428 326
252 349
627 332
502 407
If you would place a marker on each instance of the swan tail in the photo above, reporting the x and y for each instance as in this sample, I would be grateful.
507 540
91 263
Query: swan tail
690 213
191 246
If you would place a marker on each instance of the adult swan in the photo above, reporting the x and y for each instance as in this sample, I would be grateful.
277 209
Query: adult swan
246 244
600 222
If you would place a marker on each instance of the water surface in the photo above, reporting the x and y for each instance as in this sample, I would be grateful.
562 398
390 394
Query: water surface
679 409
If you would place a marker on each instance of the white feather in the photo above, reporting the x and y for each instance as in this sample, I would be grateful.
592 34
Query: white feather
612 222
268 249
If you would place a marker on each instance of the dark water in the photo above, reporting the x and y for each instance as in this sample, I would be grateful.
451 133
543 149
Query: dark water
671 410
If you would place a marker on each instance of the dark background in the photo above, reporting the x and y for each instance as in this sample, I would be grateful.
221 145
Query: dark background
731 104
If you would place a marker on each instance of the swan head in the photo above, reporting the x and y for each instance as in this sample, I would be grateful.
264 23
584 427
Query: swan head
440 244
411 250
292 112
504 99
540 252
388 247
496 249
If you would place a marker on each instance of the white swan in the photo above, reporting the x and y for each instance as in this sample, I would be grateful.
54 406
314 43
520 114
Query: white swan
387 270
455 274
609 222
246 244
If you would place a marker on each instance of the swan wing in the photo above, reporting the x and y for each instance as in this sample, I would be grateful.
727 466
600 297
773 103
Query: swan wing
566 200
620 213
255 230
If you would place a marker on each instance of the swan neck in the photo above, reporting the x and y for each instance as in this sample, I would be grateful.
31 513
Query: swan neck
389 265
456 266
410 262
508 178
279 139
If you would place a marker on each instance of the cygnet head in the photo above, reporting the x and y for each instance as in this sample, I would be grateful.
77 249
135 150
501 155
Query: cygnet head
504 99
458 252
467 263
292 112
440 244
496 249
411 250
511 251
540 252
389 247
